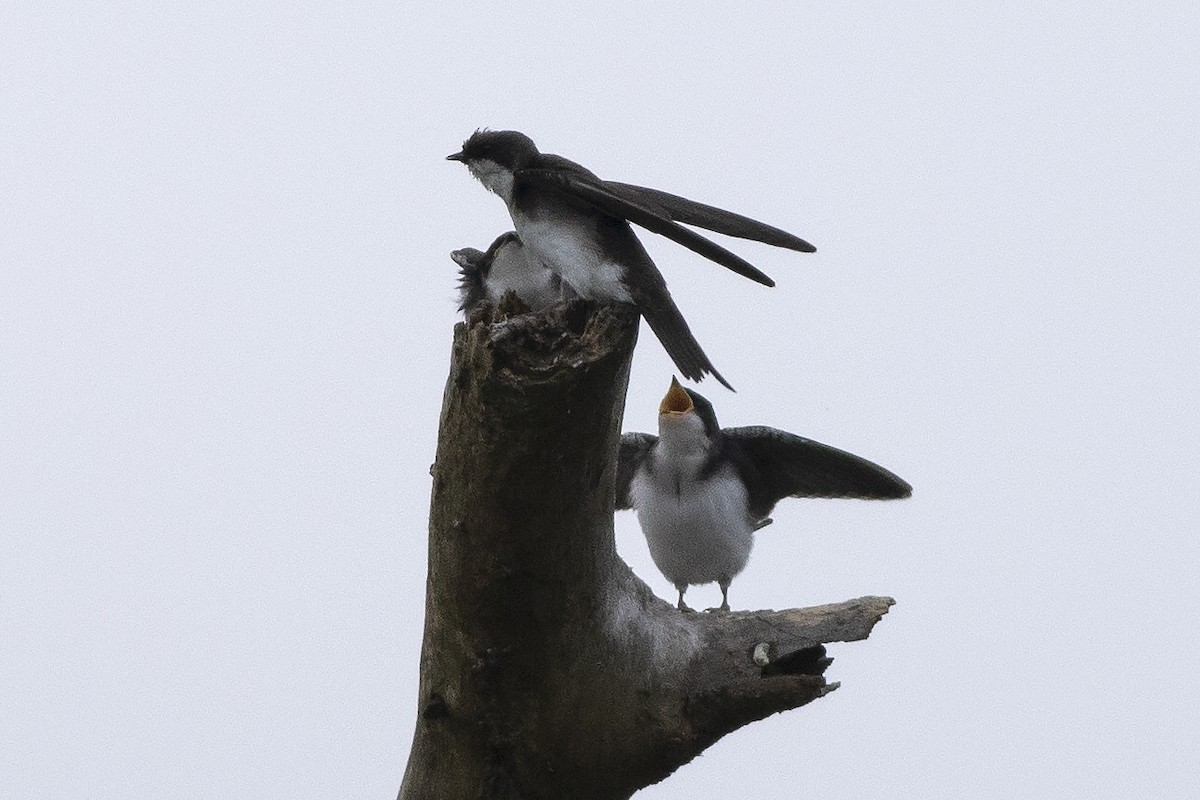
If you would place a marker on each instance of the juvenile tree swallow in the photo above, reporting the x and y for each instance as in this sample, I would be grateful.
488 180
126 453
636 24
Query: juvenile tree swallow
506 267
578 226
700 492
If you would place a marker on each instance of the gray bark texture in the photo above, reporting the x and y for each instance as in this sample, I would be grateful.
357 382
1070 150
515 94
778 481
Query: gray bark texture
548 669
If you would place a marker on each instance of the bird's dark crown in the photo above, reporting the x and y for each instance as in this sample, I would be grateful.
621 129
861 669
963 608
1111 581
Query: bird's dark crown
511 149
704 410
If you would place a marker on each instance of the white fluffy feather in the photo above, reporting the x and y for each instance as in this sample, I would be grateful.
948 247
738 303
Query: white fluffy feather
514 269
496 178
698 530
570 251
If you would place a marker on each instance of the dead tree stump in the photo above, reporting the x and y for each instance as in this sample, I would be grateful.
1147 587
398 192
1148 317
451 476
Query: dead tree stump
548 669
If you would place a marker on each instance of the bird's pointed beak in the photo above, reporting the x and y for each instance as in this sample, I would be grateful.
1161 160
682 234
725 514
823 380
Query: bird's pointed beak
456 156
676 401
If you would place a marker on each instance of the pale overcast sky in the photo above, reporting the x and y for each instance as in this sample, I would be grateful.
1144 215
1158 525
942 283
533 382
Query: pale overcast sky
226 305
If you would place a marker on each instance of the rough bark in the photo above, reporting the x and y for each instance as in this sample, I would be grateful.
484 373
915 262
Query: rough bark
548 669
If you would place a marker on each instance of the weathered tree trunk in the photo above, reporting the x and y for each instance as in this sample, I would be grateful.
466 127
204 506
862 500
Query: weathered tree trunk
548 669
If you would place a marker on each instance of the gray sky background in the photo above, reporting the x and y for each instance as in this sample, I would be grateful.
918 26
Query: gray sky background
226 304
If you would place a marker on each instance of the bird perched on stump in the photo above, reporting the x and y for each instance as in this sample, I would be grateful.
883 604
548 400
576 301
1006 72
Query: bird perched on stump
506 266
701 491
578 226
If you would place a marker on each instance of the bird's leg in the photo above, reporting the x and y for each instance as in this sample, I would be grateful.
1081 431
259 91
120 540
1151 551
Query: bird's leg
682 606
724 584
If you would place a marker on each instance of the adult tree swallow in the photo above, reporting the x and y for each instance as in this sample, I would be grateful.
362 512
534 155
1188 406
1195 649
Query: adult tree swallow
507 266
700 492
578 226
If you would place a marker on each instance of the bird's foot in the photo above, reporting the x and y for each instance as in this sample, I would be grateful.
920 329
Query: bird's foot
684 607
724 607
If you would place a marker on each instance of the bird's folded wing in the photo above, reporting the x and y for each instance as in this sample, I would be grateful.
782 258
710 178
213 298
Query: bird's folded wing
596 194
690 212
634 449
792 466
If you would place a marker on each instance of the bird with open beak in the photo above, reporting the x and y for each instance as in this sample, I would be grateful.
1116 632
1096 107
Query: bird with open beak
700 491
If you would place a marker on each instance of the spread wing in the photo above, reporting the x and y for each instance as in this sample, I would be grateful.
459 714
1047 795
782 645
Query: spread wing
783 465
634 449
689 212
582 185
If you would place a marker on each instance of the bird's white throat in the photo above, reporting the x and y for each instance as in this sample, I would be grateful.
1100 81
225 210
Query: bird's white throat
682 438
496 178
